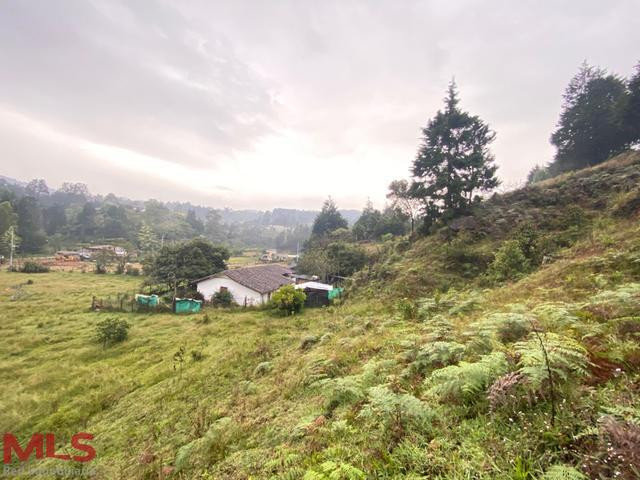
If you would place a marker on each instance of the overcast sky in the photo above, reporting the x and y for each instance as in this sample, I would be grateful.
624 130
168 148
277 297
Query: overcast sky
281 103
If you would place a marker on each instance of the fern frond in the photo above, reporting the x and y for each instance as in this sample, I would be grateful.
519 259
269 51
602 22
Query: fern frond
567 358
466 381
563 472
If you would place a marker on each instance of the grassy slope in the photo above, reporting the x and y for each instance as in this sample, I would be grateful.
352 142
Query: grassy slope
220 418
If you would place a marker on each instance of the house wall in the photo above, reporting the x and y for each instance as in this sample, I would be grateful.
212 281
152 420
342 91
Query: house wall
212 285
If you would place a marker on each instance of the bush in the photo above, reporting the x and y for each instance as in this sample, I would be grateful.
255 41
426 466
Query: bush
34 267
111 330
288 300
131 270
222 298
509 263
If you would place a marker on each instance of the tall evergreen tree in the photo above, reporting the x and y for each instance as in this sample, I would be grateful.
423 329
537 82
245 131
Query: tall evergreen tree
328 220
453 162
366 227
631 115
590 128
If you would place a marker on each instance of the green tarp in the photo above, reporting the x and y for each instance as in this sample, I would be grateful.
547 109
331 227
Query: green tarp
148 300
335 293
187 305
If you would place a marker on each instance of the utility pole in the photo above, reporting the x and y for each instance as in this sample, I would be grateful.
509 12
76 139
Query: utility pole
11 251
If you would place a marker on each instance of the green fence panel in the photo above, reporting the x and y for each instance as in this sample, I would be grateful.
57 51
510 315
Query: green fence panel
148 300
336 292
188 305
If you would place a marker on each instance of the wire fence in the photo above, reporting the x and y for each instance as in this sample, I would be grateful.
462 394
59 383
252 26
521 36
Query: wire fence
127 302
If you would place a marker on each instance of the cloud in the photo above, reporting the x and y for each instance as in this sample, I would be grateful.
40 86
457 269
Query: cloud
269 104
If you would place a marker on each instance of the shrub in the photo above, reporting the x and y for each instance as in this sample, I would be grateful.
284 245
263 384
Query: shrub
197 355
309 341
288 300
406 308
34 267
222 298
131 270
102 263
262 369
509 262
111 330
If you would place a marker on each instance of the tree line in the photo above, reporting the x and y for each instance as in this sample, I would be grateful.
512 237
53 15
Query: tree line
45 220
454 167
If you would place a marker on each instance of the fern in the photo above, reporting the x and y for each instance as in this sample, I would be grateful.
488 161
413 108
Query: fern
436 354
555 316
563 472
395 413
452 302
331 470
467 381
567 358
353 388
438 328
503 327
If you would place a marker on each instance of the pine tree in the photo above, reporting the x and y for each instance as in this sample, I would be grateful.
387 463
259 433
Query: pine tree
453 162
328 220
590 128
631 115
366 227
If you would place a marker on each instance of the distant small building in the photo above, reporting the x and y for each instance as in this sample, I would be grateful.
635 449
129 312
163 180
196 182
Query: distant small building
68 256
248 285
114 250
300 278
317 293
272 255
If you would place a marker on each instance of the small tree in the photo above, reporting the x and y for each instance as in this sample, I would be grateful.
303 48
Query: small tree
402 199
509 262
111 330
103 260
288 300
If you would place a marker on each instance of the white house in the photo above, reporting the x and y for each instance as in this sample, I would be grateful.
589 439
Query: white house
248 285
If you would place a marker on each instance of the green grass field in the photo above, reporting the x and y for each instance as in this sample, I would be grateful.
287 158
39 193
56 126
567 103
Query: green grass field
400 381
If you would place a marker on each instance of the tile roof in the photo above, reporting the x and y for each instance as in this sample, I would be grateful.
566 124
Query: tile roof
261 278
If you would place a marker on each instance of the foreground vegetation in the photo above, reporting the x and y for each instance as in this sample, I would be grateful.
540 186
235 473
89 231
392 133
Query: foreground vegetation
443 370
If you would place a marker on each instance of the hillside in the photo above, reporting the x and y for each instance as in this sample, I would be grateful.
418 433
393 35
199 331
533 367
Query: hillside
433 368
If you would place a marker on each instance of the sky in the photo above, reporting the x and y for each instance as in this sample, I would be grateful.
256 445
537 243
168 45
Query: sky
263 104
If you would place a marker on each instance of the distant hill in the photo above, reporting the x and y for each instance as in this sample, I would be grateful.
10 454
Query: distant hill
286 217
